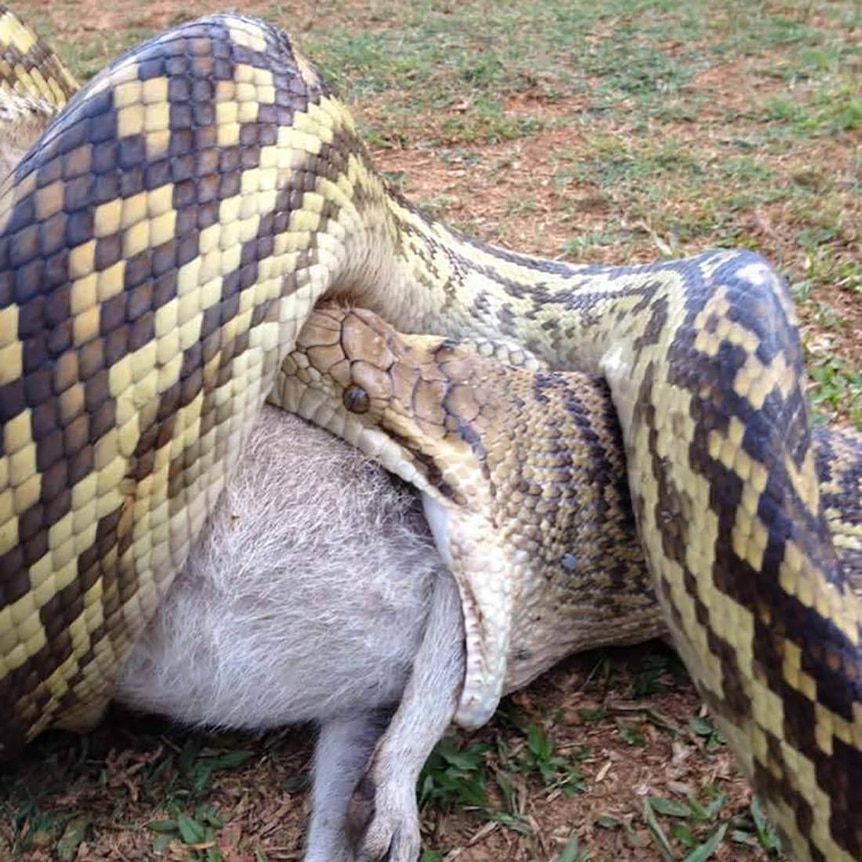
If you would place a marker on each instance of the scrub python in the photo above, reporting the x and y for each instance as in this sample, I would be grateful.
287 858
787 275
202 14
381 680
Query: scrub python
162 245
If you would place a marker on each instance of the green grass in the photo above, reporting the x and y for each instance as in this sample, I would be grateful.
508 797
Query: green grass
483 779
178 782
680 158
640 57
701 124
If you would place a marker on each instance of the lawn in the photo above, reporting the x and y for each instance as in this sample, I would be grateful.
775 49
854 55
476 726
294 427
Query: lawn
621 131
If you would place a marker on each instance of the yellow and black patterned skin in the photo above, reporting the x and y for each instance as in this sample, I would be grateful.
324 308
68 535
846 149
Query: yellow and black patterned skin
161 247
838 452
30 69
524 479
141 285
483 429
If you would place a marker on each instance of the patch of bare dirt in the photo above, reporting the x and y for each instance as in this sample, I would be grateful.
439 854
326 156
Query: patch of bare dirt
71 18
134 772
506 193
739 85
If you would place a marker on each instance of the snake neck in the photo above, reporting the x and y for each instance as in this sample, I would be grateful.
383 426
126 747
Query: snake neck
424 276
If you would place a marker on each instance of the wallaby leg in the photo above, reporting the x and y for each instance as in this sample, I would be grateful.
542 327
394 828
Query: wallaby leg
383 818
340 758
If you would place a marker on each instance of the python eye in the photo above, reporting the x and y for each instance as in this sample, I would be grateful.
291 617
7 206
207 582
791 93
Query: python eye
356 399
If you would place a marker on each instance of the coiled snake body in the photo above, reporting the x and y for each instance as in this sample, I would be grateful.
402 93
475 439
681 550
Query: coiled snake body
518 465
162 246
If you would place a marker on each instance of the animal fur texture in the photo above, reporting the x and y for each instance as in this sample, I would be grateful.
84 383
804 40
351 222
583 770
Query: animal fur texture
306 598
313 591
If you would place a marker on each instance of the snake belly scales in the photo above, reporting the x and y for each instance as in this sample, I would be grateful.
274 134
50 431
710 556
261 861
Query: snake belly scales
163 244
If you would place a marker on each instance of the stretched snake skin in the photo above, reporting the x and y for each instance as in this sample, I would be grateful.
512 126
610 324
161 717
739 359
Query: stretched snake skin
484 431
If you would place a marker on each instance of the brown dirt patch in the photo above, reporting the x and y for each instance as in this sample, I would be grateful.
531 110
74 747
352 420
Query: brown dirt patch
131 771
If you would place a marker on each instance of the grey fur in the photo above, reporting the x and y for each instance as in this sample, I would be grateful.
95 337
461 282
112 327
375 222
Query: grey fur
306 599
